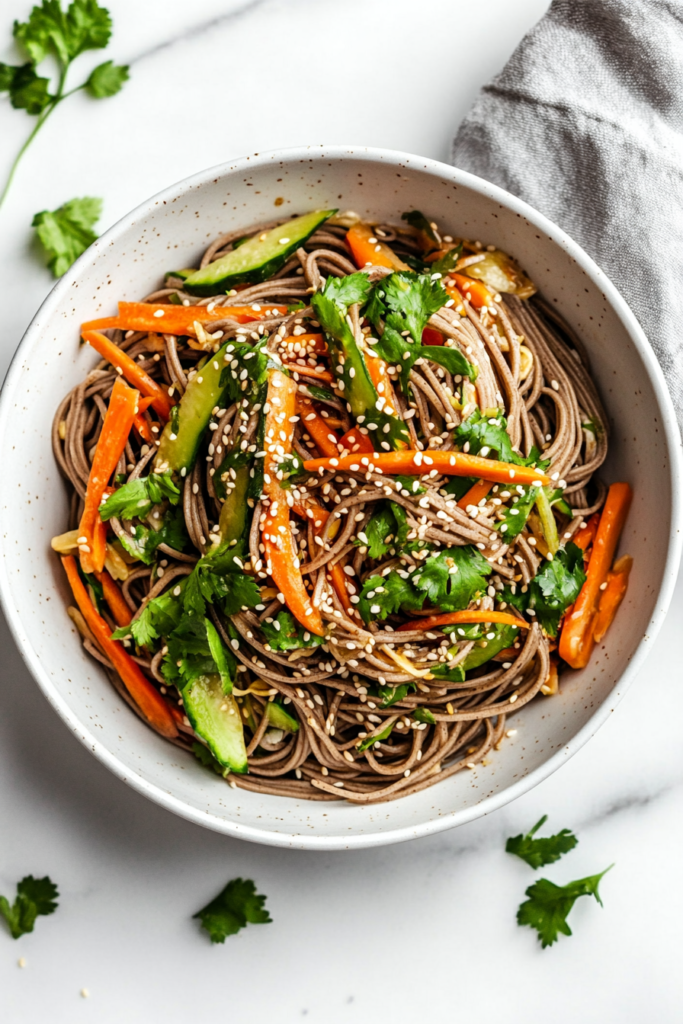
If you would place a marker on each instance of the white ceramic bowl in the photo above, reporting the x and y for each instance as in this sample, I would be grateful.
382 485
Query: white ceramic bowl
171 230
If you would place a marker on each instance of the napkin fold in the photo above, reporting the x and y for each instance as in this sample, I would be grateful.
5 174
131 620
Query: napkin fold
585 123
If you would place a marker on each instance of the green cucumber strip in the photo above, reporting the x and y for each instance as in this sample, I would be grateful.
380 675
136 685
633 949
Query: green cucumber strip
183 433
233 518
281 719
215 716
258 258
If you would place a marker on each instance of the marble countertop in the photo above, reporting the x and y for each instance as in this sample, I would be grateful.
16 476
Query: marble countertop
422 930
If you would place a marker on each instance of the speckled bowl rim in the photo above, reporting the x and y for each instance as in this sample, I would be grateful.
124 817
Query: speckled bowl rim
675 540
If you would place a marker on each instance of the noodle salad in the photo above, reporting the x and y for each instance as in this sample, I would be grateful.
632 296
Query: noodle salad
334 514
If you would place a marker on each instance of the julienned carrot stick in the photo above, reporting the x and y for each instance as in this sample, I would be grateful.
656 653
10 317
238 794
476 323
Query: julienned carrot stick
340 582
457 618
412 463
475 494
474 291
368 250
354 441
583 538
115 599
133 373
166 318
295 345
576 640
612 596
117 425
140 423
283 565
151 703
379 375
314 424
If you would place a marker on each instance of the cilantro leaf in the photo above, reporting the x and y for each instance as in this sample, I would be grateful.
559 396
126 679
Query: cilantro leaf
549 905
158 618
195 649
84 26
538 852
346 357
553 589
517 513
35 897
284 633
412 298
380 531
451 675
345 291
27 91
490 432
235 906
63 35
382 595
235 459
214 580
107 79
136 499
453 577
67 232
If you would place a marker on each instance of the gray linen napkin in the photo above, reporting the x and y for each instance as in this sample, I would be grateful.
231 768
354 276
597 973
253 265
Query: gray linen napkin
585 123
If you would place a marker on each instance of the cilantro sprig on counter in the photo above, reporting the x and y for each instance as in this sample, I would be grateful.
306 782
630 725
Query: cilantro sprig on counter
35 897
549 905
63 35
237 905
67 232
542 851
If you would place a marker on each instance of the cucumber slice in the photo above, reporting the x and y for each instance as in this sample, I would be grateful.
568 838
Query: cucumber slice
256 259
281 719
183 433
215 716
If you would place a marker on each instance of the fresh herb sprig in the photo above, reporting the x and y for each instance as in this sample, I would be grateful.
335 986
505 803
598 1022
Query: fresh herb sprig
549 905
237 905
35 897
51 31
545 850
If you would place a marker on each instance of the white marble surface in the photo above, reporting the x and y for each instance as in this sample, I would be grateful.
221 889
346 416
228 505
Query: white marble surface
426 929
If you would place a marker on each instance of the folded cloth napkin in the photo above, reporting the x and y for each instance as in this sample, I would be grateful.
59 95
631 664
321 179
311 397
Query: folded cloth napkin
585 123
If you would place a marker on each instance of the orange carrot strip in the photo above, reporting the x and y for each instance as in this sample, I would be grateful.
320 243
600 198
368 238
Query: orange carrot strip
314 424
584 537
117 425
379 375
478 293
340 582
151 703
455 618
114 598
475 494
140 423
449 463
431 336
576 640
612 596
371 253
354 439
283 565
141 316
314 343
133 373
